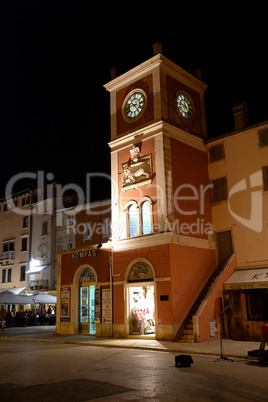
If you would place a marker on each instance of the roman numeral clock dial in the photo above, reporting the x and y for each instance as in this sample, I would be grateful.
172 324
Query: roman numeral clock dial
184 105
134 105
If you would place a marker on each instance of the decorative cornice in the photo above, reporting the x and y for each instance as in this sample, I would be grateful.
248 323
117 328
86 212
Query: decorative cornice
158 239
158 128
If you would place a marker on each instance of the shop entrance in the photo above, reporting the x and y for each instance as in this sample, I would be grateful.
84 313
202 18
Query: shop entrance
87 302
87 309
141 309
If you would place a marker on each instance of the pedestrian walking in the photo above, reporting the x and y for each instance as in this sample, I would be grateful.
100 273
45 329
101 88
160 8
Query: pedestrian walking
264 340
3 320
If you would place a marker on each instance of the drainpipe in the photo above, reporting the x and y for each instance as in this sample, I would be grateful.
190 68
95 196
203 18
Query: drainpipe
111 289
30 237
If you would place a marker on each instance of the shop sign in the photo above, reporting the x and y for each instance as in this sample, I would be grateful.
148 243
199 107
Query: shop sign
84 254
87 276
106 305
241 286
140 271
65 305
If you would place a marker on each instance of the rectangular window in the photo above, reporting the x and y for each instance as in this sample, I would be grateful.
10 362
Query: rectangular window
257 302
263 137
69 243
4 273
23 273
9 246
107 227
44 250
44 228
24 244
265 178
88 231
216 153
26 201
219 189
59 245
9 272
25 222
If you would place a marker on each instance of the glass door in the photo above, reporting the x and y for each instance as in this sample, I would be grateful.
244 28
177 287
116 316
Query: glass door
87 309
92 325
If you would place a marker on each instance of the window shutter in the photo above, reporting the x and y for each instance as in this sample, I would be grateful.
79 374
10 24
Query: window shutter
263 137
216 153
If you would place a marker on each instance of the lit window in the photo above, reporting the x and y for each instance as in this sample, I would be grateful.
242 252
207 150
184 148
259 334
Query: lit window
132 218
146 218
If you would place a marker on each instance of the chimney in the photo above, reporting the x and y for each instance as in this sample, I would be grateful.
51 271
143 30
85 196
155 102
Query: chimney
157 48
240 112
113 72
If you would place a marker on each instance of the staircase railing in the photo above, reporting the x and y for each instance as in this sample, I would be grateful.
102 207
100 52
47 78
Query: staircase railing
199 299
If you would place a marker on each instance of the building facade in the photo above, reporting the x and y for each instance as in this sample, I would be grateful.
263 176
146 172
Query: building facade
238 171
15 223
147 280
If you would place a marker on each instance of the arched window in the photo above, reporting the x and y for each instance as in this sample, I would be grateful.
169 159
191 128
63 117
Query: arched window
132 219
146 219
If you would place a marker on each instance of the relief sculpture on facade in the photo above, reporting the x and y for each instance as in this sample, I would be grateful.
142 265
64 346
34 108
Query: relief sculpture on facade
138 170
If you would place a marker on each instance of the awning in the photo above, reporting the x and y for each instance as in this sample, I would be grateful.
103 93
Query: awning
35 270
43 298
16 291
251 278
11 298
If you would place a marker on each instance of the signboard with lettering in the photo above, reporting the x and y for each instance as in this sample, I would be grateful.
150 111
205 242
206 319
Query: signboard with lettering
248 279
87 276
84 254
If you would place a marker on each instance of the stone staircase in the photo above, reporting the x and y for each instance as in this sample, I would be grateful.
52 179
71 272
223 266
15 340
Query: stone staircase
186 333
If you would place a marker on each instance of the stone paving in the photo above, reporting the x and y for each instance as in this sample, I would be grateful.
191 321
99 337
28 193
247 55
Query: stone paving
230 348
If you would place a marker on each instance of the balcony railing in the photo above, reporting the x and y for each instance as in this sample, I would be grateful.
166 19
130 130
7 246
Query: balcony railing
7 256
38 284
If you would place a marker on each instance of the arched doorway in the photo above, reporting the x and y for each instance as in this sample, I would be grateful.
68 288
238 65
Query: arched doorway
87 288
141 298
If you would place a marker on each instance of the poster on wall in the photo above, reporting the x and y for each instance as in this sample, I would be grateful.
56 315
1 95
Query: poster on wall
97 304
65 305
106 306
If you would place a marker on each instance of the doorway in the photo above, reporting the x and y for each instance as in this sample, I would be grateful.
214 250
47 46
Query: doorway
224 246
141 309
87 309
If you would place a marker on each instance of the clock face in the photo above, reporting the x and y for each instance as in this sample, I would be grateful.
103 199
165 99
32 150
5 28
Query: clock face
134 105
184 105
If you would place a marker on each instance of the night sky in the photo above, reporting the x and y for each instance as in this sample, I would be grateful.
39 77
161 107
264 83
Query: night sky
57 55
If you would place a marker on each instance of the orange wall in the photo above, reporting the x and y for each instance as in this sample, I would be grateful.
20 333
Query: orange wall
165 313
190 269
118 304
191 169
100 263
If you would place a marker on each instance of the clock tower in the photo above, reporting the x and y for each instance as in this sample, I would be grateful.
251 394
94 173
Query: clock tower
161 212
